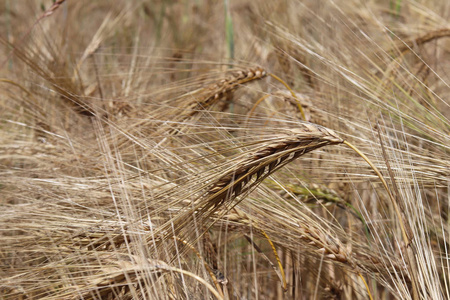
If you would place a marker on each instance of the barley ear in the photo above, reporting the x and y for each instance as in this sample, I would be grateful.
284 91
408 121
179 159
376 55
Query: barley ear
251 169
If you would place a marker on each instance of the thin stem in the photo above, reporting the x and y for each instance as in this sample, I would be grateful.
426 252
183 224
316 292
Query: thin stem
367 287
283 276
300 108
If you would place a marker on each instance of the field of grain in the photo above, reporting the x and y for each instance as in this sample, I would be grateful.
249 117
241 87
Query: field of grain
195 149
